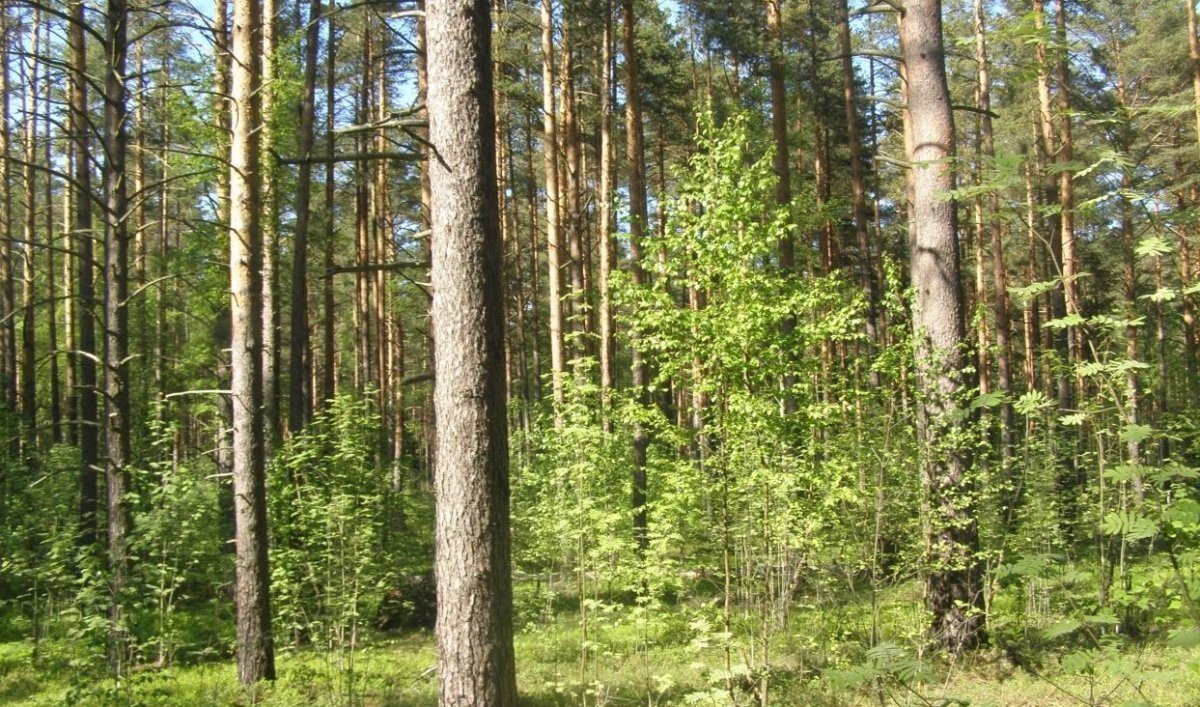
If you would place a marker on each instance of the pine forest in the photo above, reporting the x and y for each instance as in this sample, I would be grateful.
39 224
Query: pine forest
600 352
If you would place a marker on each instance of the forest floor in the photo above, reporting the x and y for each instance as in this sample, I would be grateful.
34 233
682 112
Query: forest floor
664 655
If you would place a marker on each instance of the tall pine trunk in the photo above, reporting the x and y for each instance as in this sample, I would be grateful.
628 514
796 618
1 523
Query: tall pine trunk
953 578
635 156
255 651
299 398
474 622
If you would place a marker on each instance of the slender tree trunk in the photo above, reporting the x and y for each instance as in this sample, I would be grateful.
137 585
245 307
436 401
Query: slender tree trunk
635 155
328 342
8 295
994 228
164 214
474 624
1133 386
89 415
28 397
608 350
381 237
534 285
363 373
553 232
953 580
299 396
270 230
70 341
56 427
1066 189
1189 302
780 163
1051 199
255 651
116 320
858 186
573 173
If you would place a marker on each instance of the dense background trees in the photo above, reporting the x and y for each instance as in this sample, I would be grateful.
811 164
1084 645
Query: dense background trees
836 336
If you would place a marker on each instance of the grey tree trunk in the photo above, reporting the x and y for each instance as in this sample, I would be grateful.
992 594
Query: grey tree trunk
858 186
28 367
255 653
116 317
299 409
270 229
953 576
635 156
89 415
8 295
328 373
474 584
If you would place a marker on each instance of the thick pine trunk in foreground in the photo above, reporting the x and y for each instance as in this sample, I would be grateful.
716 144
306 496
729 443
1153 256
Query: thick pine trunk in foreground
255 652
474 585
953 577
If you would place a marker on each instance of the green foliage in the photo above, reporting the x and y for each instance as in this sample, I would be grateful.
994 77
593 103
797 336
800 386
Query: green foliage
334 525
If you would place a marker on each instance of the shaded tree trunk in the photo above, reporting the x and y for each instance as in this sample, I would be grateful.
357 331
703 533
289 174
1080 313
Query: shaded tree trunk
328 343
858 186
635 156
994 228
28 368
299 397
8 295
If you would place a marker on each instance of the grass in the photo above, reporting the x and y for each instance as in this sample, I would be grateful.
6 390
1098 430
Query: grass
631 655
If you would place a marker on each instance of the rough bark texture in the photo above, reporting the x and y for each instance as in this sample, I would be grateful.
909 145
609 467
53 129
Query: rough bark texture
328 373
474 585
270 228
255 654
608 350
858 185
28 367
953 580
995 230
553 232
635 156
1189 303
116 318
299 408
89 416
8 347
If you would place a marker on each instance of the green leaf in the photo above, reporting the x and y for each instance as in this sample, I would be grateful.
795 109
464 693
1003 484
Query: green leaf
1136 433
1062 628
1074 419
1186 637
988 400
1073 319
1153 245
1105 617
